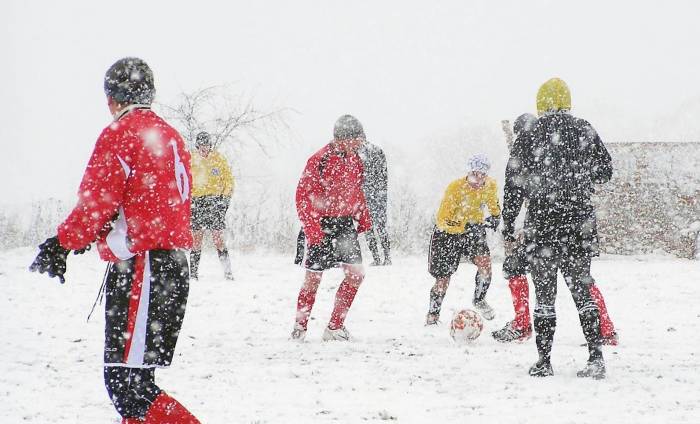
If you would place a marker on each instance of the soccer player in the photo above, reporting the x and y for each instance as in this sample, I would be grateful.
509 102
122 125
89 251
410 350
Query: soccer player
329 200
211 195
515 266
375 187
460 230
555 167
134 201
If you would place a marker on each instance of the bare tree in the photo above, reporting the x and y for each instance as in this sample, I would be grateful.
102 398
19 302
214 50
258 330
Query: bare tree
229 117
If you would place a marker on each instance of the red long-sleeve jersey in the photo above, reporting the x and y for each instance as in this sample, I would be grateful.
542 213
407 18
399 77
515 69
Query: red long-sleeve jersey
135 193
331 186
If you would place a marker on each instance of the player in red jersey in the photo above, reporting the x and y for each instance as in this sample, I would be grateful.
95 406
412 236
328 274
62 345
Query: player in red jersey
134 201
329 200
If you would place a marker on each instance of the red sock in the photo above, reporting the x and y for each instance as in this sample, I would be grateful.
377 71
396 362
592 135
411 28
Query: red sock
166 410
606 326
305 302
343 299
520 293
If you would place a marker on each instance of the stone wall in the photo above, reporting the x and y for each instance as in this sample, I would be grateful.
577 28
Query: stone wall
652 203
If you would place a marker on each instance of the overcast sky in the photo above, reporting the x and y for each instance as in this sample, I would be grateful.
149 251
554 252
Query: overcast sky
406 69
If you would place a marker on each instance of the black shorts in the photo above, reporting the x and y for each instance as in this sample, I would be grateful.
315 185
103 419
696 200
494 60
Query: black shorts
209 212
447 249
145 299
339 246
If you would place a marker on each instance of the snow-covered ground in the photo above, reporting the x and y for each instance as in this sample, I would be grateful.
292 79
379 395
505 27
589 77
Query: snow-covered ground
235 364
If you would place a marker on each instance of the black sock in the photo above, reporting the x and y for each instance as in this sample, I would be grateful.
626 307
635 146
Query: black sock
435 302
590 323
481 287
544 330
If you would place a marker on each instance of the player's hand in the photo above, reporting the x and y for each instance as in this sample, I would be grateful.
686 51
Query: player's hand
51 259
493 222
81 251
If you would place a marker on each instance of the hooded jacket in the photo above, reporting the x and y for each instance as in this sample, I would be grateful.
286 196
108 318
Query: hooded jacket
555 166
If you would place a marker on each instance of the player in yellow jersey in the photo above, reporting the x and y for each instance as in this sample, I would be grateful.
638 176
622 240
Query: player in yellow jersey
211 195
460 230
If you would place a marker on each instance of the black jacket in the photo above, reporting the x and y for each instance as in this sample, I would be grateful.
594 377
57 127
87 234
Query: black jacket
555 167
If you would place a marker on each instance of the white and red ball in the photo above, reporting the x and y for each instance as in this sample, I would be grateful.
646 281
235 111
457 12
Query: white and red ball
466 325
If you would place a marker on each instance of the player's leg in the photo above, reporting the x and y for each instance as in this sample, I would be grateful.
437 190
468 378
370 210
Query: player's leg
344 297
196 253
346 250
514 270
305 303
155 286
544 275
139 400
198 223
132 390
301 247
443 260
477 250
576 270
319 257
222 251
381 228
218 226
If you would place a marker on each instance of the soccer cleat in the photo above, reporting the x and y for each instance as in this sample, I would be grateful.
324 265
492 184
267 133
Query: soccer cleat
432 319
594 369
387 262
484 309
299 333
228 276
339 334
542 368
509 333
611 340
375 263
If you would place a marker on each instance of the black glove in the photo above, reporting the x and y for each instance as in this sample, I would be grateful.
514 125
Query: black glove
51 259
223 202
493 222
83 250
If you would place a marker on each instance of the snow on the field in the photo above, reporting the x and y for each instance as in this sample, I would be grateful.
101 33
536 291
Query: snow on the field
235 364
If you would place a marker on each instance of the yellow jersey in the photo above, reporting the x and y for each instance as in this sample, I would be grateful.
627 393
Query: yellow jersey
211 175
462 205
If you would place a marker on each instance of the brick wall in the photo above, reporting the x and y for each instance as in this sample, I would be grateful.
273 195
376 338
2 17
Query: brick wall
653 201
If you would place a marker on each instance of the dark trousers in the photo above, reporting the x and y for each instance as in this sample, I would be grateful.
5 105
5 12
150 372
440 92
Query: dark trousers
132 390
546 262
379 231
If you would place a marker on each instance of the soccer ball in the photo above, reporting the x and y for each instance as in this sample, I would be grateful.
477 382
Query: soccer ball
466 325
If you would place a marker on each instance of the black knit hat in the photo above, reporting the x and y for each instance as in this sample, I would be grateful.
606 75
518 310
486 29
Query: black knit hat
203 139
130 81
347 127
